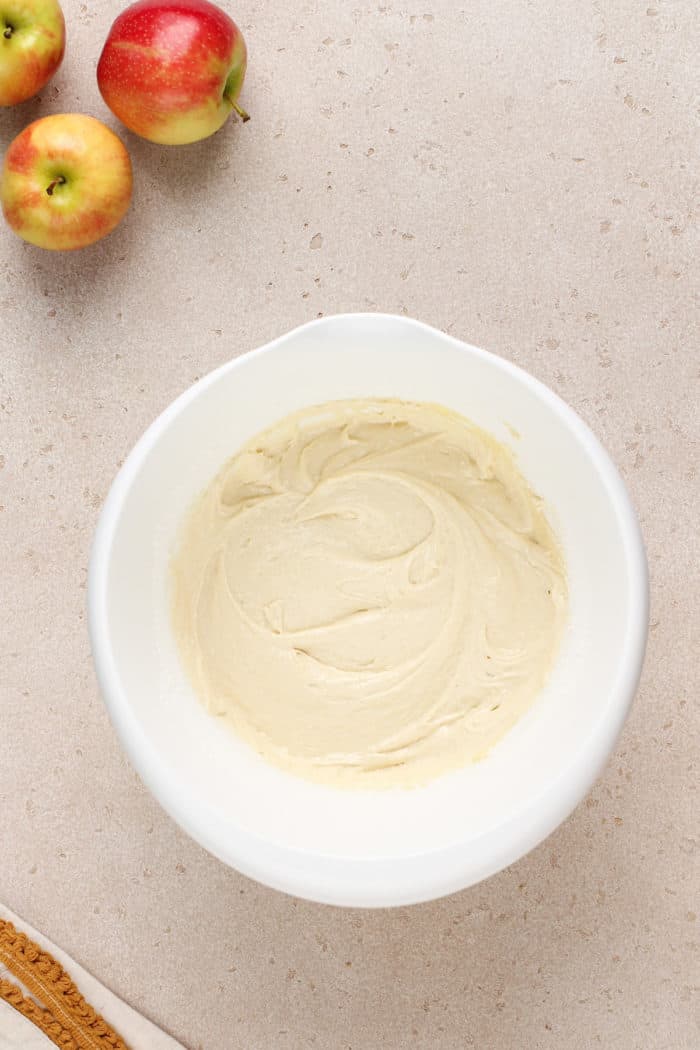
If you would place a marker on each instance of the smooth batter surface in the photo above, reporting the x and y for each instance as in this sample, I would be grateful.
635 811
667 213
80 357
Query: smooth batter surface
370 592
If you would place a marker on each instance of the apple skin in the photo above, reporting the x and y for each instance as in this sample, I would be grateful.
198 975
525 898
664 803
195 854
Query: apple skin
32 43
172 70
66 182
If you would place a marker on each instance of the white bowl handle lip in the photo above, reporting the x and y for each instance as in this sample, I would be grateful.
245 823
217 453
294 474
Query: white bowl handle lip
372 882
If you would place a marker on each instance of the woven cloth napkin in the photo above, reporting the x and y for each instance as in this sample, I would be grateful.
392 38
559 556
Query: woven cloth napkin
47 1000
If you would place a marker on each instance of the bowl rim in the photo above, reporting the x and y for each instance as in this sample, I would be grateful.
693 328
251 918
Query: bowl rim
373 882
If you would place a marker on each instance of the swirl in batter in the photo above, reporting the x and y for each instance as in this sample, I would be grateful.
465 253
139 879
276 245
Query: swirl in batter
369 592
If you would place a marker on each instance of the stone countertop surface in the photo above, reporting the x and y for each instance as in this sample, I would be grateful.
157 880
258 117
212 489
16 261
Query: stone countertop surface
524 176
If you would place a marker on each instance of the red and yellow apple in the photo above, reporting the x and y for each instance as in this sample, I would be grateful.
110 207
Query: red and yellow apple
32 42
66 182
172 70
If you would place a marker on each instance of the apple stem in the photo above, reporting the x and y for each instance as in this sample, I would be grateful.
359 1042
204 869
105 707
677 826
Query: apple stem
239 109
9 30
60 181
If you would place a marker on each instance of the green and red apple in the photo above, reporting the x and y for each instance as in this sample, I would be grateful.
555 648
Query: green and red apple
32 42
66 182
172 70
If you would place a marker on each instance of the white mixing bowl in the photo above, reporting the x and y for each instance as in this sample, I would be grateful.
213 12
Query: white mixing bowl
385 847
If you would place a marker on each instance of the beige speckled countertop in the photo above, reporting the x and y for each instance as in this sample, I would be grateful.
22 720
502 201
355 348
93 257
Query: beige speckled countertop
523 175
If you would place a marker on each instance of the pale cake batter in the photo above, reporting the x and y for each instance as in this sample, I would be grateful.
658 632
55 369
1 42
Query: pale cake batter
370 593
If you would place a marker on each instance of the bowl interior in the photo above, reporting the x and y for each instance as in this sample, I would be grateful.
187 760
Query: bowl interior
366 847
